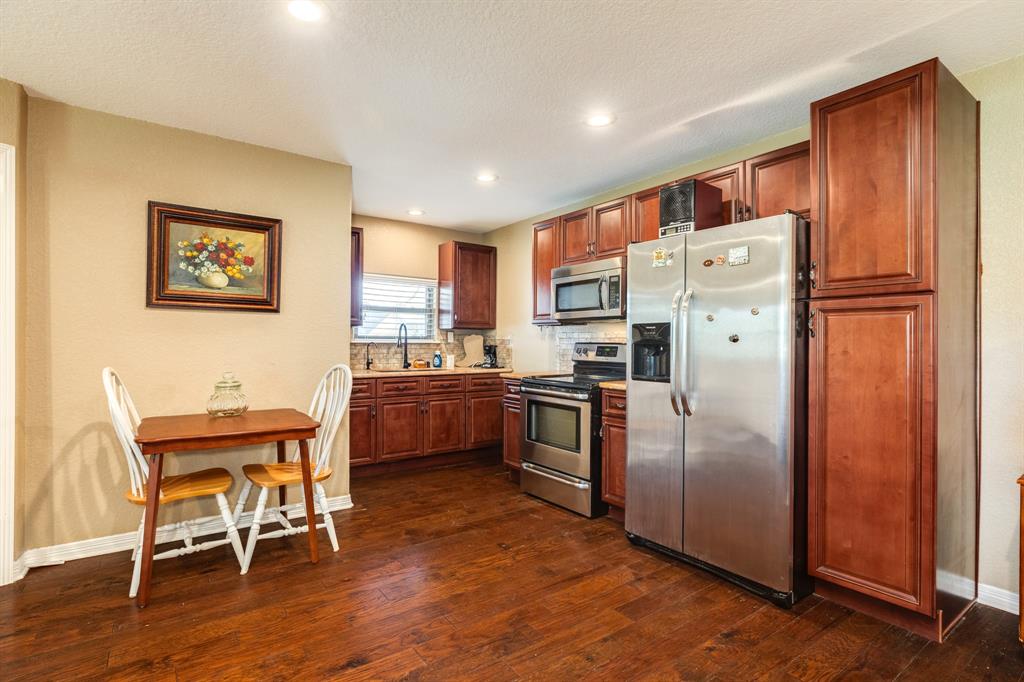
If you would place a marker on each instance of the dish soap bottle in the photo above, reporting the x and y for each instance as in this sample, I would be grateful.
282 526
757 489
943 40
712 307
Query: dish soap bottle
437 359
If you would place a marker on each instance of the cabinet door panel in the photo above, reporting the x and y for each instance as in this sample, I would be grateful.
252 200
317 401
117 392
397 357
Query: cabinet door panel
512 442
613 462
362 433
545 257
576 236
611 228
475 281
399 428
646 214
870 454
871 193
730 180
483 420
779 181
444 424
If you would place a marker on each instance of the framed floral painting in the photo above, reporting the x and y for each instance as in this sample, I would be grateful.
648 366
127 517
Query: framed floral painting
199 258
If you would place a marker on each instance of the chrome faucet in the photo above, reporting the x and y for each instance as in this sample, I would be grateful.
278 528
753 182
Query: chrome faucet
369 360
404 345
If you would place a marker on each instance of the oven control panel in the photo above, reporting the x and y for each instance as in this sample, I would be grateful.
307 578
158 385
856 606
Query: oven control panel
600 352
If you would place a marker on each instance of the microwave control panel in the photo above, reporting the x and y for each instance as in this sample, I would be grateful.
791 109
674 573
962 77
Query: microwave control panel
614 291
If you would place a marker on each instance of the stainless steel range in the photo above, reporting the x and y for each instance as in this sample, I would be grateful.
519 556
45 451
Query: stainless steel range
561 415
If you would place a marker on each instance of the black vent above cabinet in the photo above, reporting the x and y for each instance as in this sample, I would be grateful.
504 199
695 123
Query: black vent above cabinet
689 205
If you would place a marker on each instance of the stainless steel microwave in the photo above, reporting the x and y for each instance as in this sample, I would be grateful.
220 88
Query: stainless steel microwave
589 291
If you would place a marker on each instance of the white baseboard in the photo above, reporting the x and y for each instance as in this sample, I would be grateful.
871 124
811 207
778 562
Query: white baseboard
997 597
80 549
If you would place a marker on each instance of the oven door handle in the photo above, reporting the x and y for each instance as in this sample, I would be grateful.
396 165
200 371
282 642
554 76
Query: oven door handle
575 483
553 394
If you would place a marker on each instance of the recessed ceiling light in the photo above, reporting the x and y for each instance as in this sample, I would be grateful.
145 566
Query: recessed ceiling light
306 10
600 120
486 177
415 211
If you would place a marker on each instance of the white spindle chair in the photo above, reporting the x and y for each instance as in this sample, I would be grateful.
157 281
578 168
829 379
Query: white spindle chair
330 401
216 482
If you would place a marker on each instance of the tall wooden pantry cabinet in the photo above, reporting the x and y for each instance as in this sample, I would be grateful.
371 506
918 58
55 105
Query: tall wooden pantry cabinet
893 422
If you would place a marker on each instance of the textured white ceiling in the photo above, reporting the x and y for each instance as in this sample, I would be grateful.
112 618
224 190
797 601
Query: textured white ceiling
420 96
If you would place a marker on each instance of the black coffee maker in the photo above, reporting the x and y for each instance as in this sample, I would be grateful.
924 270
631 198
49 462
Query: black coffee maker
490 356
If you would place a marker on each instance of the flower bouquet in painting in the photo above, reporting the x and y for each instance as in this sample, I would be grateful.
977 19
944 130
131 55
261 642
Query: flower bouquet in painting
215 262
200 258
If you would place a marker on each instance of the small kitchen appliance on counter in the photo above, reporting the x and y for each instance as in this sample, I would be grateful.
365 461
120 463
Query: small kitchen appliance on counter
561 441
490 357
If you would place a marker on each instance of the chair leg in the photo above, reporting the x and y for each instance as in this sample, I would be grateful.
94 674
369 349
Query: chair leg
137 558
243 497
229 524
321 497
254 530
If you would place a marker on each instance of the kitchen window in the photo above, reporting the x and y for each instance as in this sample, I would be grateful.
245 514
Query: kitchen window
390 300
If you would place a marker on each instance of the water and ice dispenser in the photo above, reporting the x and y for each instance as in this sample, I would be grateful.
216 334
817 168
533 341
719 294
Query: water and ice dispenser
651 351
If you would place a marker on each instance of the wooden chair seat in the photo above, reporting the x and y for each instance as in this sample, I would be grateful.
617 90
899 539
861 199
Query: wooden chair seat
184 486
276 475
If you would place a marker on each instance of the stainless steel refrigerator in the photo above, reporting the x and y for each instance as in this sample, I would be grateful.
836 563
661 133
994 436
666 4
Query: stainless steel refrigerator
716 390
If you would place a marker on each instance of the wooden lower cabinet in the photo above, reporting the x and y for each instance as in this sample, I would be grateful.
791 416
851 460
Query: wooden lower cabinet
362 429
423 416
613 461
512 443
484 423
444 424
871 449
399 428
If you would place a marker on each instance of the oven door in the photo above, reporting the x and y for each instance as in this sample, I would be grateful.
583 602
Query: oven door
587 295
556 432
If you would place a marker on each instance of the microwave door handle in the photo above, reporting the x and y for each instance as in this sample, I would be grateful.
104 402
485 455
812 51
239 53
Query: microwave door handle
601 283
672 356
684 339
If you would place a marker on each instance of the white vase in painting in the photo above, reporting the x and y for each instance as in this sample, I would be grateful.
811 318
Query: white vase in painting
213 280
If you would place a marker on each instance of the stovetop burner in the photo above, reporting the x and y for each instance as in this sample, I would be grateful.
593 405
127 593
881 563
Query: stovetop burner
592 364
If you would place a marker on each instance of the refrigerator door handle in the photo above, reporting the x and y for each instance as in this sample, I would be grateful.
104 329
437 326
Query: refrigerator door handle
673 384
683 389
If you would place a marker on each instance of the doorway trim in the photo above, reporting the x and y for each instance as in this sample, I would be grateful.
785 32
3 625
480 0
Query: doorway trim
8 361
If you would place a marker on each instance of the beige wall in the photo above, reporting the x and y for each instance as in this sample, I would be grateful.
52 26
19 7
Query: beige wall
89 178
14 132
1000 88
533 347
395 247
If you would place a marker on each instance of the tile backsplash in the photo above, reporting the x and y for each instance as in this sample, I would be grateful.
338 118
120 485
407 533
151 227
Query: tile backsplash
387 355
566 337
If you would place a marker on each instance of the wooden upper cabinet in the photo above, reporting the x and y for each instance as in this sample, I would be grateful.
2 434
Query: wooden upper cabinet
357 277
646 214
612 228
467 286
576 237
872 179
545 257
871 448
779 181
730 180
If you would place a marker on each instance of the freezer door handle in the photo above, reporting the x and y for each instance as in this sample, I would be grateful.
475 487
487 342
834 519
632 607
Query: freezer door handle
673 393
683 373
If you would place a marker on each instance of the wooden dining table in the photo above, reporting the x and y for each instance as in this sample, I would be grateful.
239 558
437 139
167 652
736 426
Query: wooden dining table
159 436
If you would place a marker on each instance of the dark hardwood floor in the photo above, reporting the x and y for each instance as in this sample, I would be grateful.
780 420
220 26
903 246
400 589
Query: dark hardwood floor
453 574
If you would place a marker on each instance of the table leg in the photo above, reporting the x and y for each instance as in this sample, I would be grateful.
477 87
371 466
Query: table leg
156 465
307 489
282 491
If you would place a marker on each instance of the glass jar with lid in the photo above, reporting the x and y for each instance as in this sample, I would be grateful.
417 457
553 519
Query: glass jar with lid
227 399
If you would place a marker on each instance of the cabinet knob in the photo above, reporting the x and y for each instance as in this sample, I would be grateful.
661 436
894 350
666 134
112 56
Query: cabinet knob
813 275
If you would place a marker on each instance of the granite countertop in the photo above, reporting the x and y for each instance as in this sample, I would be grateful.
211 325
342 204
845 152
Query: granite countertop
613 385
523 375
376 374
